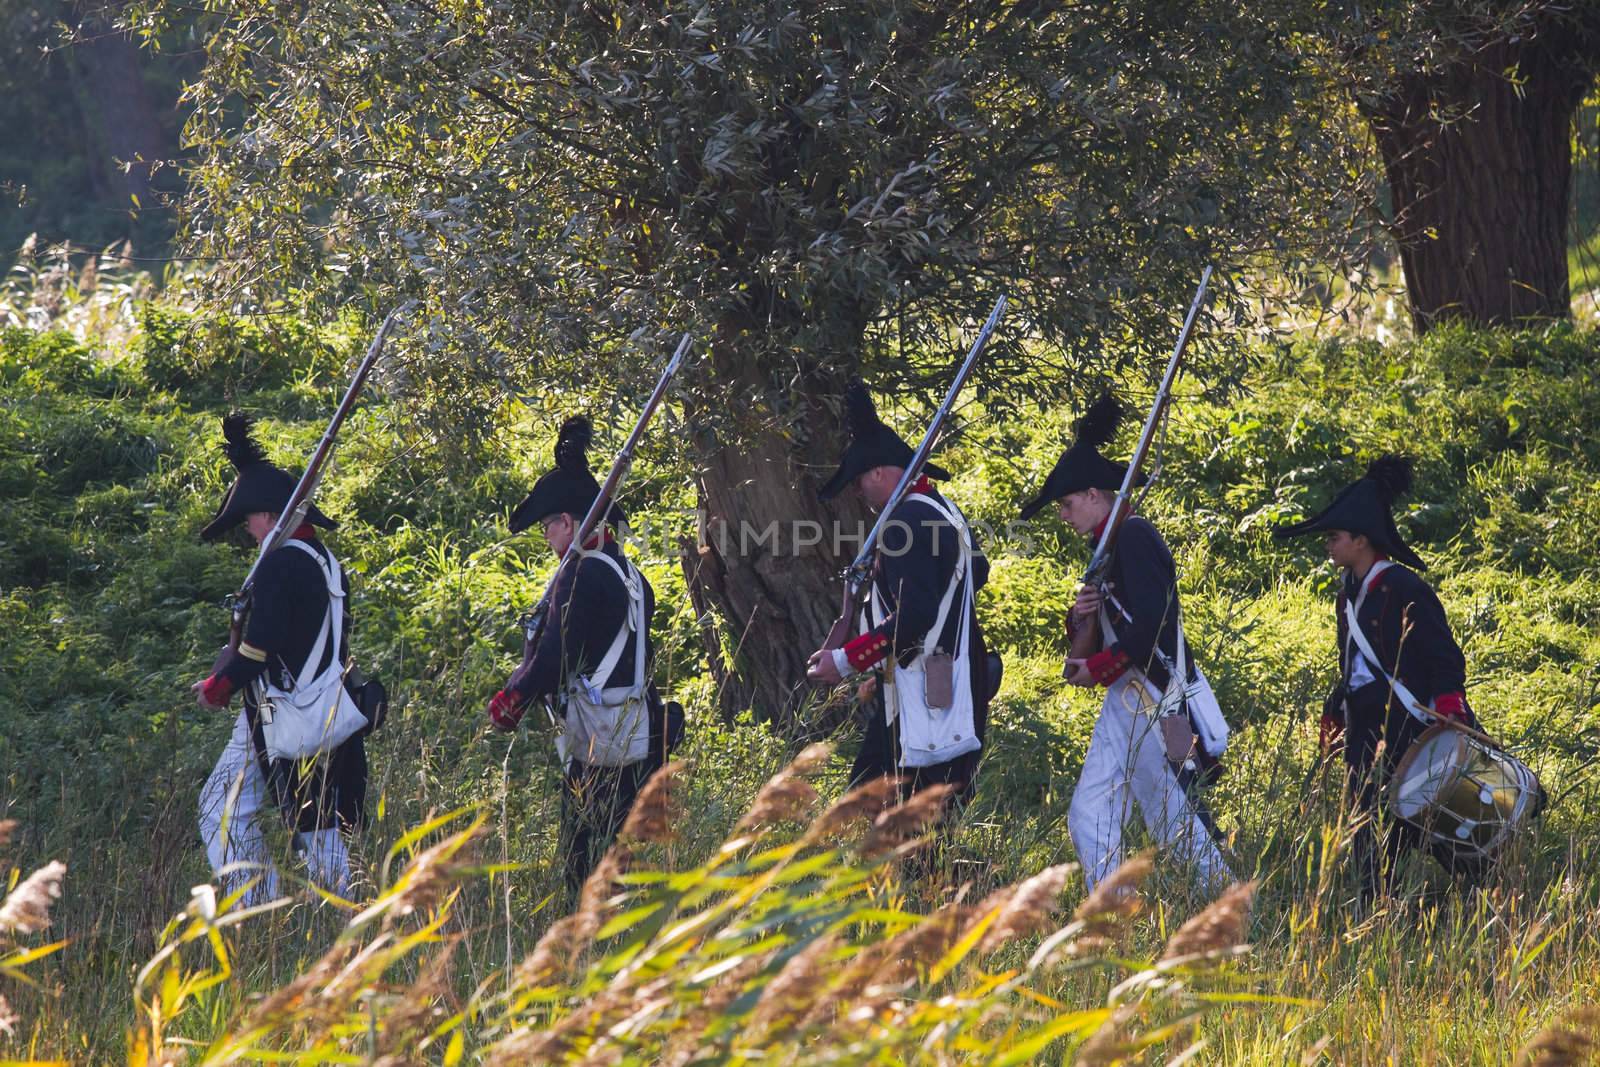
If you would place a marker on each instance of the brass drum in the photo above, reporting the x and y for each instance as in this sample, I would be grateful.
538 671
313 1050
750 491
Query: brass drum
1462 792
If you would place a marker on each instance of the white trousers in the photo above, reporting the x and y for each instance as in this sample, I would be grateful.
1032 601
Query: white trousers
232 802
1127 761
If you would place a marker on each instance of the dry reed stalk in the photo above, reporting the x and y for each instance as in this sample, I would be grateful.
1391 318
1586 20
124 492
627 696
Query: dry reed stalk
418 1006
428 877
27 909
925 944
1028 909
812 759
1220 927
561 1037
792 991
785 797
1573 1041
906 822
653 811
295 1000
847 991
687 1041
866 801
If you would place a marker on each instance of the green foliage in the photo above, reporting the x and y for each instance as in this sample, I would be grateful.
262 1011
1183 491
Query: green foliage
811 189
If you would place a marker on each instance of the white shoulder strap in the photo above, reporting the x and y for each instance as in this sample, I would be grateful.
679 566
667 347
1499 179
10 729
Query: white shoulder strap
1177 669
333 618
1396 686
962 570
1370 580
633 620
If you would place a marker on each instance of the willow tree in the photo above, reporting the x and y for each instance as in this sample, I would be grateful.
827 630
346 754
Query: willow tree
817 189
1472 106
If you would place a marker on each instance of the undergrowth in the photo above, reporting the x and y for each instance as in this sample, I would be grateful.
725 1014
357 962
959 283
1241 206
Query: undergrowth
110 608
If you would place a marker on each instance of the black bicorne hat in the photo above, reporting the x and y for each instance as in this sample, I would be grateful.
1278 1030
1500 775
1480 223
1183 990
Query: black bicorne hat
259 486
1366 507
872 444
570 488
1082 466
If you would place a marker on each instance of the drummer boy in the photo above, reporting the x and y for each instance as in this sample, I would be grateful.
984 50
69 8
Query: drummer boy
1400 668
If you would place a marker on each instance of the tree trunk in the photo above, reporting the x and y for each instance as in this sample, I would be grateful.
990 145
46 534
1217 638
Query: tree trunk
765 573
119 113
1479 166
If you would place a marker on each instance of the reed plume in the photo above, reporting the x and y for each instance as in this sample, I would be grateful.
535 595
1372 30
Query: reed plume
27 908
1028 908
906 822
1573 1041
1220 927
866 801
654 810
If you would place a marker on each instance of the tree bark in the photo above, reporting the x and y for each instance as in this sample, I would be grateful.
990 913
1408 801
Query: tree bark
1479 166
764 576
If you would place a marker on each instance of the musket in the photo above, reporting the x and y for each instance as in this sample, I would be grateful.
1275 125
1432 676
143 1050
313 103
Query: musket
533 622
294 512
858 575
1100 560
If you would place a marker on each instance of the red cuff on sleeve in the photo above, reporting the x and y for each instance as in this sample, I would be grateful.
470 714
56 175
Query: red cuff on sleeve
217 690
867 650
1107 666
1450 706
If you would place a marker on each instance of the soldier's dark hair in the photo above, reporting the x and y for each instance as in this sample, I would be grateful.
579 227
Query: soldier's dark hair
238 444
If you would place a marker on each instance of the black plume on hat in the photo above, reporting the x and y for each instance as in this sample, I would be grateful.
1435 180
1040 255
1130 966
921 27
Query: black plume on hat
572 444
238 442
872 444
570 488
860 413
1099 423
1392 475
1082 466
1365 507
259 485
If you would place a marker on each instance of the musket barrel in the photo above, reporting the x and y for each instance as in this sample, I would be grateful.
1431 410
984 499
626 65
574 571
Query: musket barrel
299 501
1119 506
919 457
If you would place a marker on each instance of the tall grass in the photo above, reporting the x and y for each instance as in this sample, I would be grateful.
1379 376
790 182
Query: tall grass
109 609
791 941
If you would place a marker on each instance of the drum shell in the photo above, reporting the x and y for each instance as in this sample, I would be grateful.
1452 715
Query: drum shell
1463 792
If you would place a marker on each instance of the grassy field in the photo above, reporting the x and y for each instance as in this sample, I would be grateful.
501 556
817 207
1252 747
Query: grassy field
110 607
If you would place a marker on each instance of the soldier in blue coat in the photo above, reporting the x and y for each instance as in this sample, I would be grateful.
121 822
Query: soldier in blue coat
919 636
1131 634
1405 627
299 591
593 662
